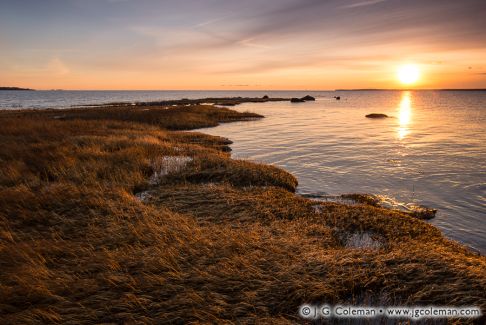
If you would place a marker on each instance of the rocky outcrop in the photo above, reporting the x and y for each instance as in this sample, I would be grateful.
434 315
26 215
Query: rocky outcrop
376 115
423 212
363 198
303 99
297 100
308 98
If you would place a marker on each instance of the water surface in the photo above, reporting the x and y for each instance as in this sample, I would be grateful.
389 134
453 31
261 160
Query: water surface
432 151
68 98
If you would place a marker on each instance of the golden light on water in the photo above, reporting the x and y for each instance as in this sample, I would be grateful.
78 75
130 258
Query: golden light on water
404 115
408 74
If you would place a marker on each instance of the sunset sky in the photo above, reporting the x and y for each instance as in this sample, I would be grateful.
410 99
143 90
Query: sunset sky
244 44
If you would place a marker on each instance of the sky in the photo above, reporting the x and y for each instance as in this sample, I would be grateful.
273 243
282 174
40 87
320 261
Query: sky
241 45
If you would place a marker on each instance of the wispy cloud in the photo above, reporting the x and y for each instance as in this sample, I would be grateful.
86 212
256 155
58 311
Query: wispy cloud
362 4
211 21
250 42
57 67
117 1
233 42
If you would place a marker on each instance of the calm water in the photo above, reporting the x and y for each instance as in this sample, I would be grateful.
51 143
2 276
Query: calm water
432 152
68 98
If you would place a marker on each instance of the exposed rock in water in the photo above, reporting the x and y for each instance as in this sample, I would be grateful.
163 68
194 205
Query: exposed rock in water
297 100
376 115
363 198
423 212
337 97
226 149
416 211
222 101
308 97
265 97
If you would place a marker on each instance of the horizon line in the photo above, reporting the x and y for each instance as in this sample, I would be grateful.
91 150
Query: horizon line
263 90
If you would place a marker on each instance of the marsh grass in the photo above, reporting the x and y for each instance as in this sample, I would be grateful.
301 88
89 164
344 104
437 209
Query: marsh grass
215 240
167 117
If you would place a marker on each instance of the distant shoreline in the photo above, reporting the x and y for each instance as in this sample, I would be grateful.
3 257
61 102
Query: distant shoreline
15 88
253 90
441 89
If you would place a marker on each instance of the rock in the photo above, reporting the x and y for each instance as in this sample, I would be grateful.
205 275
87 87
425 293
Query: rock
297 100
363 198
376 115
226 149
337 97
265 97
423 212
308 97
416 211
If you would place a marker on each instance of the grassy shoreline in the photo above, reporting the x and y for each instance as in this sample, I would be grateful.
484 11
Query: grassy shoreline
212 239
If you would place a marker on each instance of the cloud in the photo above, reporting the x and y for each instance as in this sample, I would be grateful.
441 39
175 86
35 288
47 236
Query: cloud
298 35
57 67
211 21
233 39
362 4
250 42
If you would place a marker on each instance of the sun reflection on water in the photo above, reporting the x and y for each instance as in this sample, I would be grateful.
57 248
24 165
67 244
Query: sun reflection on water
404 115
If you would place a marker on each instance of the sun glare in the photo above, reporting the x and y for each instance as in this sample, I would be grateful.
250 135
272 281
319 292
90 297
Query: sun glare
404 115
408 74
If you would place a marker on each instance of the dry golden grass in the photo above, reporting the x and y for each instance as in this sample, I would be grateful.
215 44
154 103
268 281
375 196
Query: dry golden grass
214 240
167 117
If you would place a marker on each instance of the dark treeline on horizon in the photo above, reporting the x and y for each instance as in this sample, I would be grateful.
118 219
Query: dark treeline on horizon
14 88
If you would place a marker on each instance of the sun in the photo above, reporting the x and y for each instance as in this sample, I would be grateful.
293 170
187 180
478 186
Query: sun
408 74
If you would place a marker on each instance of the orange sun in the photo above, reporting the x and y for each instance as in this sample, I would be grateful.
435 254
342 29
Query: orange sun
408 74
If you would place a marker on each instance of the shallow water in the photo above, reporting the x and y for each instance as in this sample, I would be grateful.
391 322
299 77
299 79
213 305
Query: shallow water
68 98
431 152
